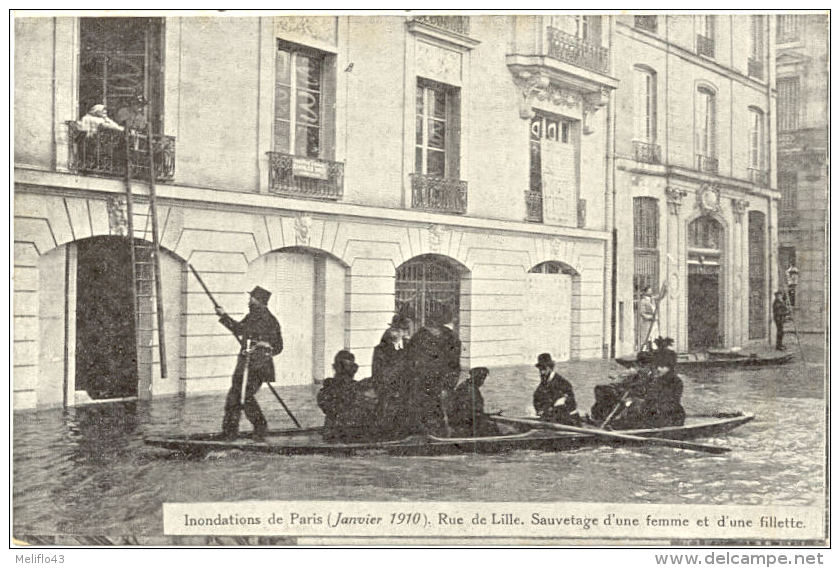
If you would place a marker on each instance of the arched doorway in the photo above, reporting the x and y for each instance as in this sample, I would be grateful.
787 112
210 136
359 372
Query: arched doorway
427 283
705 259
548 311
307 288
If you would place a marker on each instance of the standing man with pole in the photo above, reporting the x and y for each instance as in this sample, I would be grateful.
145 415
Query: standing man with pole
780 312
260 338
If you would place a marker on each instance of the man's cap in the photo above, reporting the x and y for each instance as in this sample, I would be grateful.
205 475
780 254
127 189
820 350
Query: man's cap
544 360
261 295
344 355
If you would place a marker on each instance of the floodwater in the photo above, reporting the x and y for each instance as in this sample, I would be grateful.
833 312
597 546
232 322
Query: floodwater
86 471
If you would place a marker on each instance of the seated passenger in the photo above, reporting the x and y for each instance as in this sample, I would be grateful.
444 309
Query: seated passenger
663 406
611 399
344 402
554 399
466 414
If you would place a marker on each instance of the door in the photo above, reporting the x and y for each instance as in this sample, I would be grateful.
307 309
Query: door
703 308
548 316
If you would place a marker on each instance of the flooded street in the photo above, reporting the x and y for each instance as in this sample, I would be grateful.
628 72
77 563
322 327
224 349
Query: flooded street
86 471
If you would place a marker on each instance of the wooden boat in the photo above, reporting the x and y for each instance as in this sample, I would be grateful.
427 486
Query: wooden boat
720 359
517 437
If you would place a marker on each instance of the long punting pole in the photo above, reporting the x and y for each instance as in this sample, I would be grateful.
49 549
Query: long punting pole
155 240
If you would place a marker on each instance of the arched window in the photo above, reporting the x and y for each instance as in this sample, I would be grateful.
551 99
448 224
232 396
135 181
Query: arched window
425 284
705 233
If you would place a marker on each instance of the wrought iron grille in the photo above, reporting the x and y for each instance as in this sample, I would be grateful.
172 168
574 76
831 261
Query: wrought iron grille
705 46
457 24
757 329
103 152
647 23
707 164
759 177
755 68
571 49
282 178
426 284
534 206
647 152
442 195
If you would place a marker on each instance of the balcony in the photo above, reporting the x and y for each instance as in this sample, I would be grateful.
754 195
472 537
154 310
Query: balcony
456 24
707 164
570 49
309 178
705 46
441 195
759 177
534 206
104 153
755 68
647 23
647 152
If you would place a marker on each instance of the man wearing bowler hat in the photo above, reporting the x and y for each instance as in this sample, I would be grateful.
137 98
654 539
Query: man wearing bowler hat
260 338
554 399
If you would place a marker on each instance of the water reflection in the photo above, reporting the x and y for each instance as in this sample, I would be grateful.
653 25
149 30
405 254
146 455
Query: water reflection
86 470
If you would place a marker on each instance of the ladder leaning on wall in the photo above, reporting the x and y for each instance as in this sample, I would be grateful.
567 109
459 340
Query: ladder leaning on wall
145 257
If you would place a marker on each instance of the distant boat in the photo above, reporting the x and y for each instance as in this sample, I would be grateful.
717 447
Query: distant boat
522 436
720 358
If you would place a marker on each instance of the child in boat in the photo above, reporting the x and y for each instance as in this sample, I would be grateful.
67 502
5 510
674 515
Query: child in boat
466 407
345 402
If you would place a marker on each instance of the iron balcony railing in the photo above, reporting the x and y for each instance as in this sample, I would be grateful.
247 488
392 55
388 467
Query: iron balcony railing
534 206
309 178
707 164
457 24
571 49
103 152
442 195
755 68
647 23
759 177
647 152
705 46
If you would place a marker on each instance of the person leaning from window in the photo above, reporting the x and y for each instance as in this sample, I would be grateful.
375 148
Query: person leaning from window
780 312
554 399
259 328
97 117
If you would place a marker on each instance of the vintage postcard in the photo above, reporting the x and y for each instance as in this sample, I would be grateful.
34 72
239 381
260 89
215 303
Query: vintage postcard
420 278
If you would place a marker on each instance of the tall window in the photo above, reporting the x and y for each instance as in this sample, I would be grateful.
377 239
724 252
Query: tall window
757 320
787 185
644 84
706 35
554 145
120 67
788 89
705 123
588 28
757 38
645 251
298 101
756 139
787 28
437 129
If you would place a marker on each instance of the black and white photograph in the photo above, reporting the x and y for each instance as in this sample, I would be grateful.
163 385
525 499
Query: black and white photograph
419 278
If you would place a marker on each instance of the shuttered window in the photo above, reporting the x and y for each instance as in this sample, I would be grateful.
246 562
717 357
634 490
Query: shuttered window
645 243
757 37
705 123
788 89
787 28
756 139
644 84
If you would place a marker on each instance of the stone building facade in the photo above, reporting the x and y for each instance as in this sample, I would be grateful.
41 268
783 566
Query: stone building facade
695 168
349 164
802 70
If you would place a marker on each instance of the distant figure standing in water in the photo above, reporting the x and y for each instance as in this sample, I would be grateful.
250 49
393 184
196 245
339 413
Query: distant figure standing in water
780 312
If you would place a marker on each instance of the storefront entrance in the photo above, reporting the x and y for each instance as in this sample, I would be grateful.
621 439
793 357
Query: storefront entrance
705 306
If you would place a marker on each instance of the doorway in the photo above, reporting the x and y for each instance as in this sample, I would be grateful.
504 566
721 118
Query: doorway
703 307
106 351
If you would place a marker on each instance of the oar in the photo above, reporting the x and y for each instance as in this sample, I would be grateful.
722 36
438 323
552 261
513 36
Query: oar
613 436
286 408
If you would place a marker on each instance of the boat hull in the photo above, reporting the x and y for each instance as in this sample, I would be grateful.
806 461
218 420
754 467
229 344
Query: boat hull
310 441
718 361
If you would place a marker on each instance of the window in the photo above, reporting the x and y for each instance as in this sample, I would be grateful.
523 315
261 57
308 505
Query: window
644 84
588 28
120 67
705 233
299 101
756 139
437 130
787 185
706 35
705 123
645 251
757 38
647 23
788 89
554 166
787 28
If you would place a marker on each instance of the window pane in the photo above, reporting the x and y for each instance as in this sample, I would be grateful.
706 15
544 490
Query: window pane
281 136
437 134
420 91
418 160
418 127
281 102
439 110
308 72
536 127
436 163
536 167
283 67
307 108
307 142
